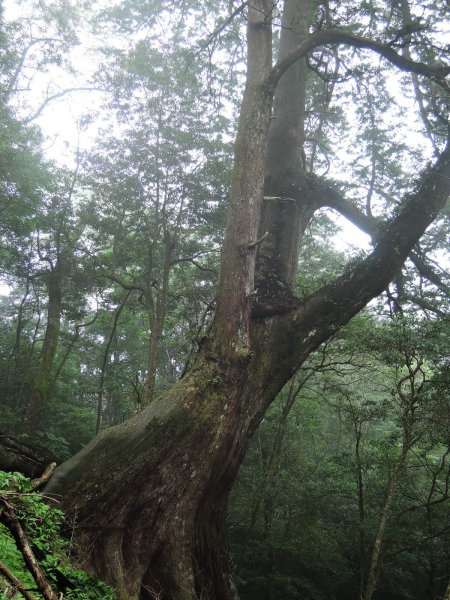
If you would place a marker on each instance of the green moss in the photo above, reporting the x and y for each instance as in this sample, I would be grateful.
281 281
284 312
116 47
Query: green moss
160 429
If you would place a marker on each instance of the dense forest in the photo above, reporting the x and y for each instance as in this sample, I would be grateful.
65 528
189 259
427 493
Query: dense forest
225 299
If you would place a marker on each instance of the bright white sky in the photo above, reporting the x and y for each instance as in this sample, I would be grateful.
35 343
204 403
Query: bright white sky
60 119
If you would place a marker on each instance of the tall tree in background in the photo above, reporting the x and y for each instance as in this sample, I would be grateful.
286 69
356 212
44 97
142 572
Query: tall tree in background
57 235
150 495
147 189
310 511
30 189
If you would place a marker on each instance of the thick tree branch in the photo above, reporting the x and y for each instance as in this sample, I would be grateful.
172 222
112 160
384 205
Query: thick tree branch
332 198
327 37
335 304
326 195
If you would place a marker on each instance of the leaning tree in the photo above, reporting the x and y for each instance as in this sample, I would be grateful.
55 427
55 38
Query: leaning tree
148 497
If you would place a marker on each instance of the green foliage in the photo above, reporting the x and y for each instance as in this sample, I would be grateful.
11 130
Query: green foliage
42 524
297 529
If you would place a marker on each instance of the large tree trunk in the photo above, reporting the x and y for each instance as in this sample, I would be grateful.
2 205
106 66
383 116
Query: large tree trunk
149 496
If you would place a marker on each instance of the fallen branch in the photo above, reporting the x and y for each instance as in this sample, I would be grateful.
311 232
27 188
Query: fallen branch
9 518
15 582
39 481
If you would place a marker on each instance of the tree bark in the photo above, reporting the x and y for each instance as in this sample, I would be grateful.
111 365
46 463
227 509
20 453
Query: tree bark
157 316
150 494
286 210
236 281
169 469
35 404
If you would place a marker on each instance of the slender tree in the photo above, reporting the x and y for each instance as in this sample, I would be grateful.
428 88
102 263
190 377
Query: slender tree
56 238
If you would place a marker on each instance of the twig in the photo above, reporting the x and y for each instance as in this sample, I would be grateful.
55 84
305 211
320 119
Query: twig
257 242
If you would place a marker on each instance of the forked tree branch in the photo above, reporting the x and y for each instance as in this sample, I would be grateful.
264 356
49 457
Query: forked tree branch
336 303
328 196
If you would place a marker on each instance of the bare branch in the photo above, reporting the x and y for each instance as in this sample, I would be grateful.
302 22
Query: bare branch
257 242
9 518
196 264
331 197
15 582
222 26
123 284
40 481
60 95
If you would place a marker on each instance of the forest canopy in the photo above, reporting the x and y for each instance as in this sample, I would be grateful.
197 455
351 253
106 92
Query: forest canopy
225 308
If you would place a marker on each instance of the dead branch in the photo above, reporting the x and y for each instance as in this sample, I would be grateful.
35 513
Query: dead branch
39 481
15 582
9 519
